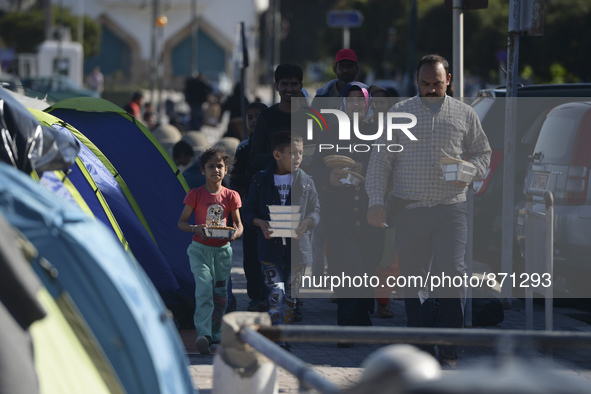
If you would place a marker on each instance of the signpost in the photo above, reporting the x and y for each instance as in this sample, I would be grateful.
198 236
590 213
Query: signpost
344 19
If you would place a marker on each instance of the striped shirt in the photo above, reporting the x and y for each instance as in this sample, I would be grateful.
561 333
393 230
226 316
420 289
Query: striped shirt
454 131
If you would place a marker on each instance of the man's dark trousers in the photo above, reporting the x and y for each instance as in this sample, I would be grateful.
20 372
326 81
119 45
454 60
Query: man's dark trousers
438 233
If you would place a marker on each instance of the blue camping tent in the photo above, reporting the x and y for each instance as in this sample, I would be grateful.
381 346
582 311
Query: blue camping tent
93 180
151 175
113 295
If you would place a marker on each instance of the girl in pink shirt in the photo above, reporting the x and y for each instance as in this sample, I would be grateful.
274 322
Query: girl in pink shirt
211 258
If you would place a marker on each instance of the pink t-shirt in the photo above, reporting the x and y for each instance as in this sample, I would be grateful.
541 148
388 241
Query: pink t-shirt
208 207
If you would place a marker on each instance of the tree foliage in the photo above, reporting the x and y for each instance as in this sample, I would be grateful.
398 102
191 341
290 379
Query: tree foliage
24 31
383 42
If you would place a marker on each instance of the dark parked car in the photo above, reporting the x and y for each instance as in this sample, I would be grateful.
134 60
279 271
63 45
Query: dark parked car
55 88
560 163
488 198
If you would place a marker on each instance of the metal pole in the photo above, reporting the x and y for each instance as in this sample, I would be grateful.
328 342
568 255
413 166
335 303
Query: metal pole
468 255
412 40
424 336
529 303
160 72
549 302
458 49
509 152
60 24
277 34
243 66
81 22
153 55
346 37
194 37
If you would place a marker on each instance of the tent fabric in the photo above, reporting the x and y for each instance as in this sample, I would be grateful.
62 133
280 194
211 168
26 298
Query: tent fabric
151 175
26 144
59 363
94 181
19 308
112 294
58 183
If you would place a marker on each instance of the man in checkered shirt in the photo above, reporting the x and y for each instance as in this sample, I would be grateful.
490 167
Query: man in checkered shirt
431 219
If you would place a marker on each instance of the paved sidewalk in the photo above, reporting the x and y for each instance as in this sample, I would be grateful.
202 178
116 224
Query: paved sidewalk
343 365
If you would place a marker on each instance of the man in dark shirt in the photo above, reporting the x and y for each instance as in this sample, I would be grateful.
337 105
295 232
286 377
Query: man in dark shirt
288 83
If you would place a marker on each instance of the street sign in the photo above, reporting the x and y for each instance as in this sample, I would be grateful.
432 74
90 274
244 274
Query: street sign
344 18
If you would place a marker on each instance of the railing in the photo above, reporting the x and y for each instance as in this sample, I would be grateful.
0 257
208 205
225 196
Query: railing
539 230
248 345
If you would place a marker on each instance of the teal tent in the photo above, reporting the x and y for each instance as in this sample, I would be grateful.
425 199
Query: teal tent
113 295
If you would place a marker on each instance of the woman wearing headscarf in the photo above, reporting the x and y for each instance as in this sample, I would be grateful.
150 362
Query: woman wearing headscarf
354 248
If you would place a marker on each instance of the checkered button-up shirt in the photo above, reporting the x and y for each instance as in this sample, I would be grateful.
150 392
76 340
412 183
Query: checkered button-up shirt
454 131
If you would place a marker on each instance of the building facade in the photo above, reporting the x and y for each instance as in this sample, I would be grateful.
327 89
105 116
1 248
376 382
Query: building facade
133 47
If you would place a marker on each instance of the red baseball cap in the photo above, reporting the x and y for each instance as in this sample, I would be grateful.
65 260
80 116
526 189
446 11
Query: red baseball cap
346 54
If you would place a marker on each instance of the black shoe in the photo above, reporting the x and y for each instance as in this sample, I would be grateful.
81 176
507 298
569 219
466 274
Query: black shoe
344 345
286 346
202 345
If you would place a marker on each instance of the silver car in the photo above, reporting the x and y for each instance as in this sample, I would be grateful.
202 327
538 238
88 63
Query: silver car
560 162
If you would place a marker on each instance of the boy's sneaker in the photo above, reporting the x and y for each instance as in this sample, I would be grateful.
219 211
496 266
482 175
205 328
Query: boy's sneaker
202 345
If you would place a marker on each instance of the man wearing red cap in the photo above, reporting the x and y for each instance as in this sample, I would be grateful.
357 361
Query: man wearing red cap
345 67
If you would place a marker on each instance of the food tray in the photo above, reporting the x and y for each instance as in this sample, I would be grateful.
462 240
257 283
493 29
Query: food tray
294 217
284 224
284 208
283 232
221 232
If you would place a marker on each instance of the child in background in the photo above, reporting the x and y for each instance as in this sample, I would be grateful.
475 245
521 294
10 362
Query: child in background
282 183
240 179
211 258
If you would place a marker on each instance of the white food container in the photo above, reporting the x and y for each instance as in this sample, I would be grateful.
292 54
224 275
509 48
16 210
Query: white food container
213 232
283 224
463 172
351 180
283 232
293 217
284 208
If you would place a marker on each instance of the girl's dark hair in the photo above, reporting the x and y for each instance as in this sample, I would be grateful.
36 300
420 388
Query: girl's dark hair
216 151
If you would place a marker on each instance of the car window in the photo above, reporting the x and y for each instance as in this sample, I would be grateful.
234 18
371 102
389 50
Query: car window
556 139
531 135
491 112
